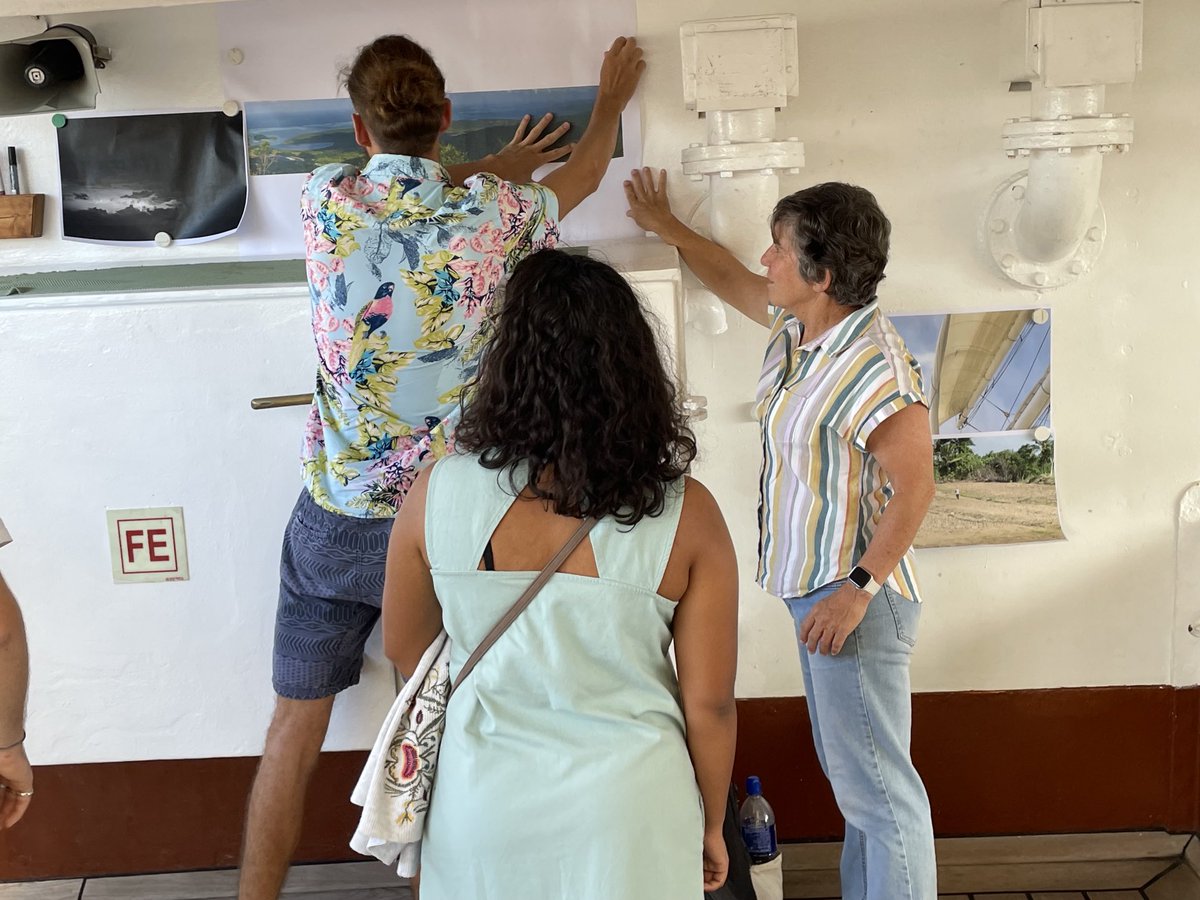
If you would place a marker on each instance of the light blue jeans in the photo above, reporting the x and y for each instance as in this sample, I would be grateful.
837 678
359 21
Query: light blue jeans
860 704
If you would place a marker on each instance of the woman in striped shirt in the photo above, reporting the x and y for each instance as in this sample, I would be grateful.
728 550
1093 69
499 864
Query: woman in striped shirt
847 477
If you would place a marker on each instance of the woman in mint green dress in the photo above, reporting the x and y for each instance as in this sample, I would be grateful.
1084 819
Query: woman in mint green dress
576 763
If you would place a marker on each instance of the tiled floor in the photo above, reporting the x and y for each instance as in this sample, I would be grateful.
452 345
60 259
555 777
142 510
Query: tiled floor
343 881
334 883
374 881
147 888
189 887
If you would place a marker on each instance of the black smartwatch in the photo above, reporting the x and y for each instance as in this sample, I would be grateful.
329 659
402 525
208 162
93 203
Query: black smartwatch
861 579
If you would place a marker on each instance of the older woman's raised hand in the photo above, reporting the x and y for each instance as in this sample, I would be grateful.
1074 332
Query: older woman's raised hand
648 202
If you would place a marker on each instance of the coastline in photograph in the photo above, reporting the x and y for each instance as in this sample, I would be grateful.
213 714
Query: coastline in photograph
289 137
997 489
984 371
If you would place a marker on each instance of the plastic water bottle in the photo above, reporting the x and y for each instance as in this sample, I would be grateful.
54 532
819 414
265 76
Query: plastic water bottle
758 824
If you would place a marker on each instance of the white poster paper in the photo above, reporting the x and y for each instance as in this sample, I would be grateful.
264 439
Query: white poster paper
295 50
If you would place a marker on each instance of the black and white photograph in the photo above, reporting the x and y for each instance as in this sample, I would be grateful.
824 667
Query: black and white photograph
126 179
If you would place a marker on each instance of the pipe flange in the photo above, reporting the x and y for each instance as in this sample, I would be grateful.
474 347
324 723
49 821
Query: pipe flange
1106 132
766 157
999 229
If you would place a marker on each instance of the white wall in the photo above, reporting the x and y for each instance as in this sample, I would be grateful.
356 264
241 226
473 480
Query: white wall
118 405
903 97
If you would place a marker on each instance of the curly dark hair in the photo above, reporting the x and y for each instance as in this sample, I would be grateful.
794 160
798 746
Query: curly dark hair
573 386
837 228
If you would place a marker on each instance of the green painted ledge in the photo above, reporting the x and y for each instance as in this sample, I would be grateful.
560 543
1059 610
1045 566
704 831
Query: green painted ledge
191 276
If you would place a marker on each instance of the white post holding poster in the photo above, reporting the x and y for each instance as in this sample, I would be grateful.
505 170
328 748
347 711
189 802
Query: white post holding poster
500 58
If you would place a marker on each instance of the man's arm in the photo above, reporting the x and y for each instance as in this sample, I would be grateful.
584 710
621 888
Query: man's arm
577 179
721 271
517 160
904 449
16 775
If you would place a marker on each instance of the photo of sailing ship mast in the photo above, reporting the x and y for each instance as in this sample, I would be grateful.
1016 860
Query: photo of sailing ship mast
987 379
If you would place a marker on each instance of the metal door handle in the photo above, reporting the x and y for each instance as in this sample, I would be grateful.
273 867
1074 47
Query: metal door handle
281 401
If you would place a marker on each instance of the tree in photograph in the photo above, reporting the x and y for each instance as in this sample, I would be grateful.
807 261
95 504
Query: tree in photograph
1029 462
1046 454
955 459
452 156
262 155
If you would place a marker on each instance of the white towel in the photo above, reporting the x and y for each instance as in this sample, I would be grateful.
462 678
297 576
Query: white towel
767 879
396 784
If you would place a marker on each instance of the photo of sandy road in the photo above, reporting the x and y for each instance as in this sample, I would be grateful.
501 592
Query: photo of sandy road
966 513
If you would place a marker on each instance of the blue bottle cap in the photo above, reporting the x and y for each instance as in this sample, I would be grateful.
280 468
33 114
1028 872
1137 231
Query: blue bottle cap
753 786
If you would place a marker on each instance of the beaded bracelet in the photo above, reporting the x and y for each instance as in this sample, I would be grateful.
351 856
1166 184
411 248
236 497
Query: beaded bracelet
15 743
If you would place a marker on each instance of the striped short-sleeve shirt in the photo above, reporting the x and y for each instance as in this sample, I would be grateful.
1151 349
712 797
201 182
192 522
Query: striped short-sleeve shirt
821 494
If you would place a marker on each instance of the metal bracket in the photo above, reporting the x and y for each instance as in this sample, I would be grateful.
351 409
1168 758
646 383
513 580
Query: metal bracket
1106 132
727 157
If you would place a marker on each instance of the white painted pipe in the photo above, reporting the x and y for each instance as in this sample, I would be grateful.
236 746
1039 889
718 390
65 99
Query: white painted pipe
741 204
1064 188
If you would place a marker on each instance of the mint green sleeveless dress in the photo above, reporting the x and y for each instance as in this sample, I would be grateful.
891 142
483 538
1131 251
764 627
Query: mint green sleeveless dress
563 773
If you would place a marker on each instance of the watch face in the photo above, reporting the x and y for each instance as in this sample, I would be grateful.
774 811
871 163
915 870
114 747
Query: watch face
859 577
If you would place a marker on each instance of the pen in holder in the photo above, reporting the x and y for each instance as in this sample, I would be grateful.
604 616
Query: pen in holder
21 215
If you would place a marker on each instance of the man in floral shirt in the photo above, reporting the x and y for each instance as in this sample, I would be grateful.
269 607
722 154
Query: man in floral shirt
403 266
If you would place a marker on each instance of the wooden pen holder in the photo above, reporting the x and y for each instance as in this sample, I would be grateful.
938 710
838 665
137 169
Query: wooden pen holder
21 215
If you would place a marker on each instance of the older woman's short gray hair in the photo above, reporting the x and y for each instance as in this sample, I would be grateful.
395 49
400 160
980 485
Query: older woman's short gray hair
840 229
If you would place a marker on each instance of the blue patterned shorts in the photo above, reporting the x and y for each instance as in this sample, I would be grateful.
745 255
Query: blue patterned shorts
330 593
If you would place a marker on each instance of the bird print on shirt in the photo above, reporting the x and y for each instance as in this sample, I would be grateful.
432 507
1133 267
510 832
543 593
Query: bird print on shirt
370 319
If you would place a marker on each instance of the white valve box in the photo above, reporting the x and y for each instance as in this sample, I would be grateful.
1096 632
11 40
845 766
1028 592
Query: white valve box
1070 44
747 62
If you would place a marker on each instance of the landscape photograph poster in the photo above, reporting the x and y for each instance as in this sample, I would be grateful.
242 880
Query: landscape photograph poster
293 137
127 178
987 378
489 92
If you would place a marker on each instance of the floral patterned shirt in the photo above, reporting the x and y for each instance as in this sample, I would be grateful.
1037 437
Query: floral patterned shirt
402 270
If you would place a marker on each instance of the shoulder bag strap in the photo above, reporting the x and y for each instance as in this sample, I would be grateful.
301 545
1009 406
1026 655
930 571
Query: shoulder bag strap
517 608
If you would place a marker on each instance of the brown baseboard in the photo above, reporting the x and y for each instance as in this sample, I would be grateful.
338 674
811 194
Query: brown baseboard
164 816
1014 762
1009 762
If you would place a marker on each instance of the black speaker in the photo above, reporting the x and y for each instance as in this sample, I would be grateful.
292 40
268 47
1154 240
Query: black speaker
53 64
50 72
